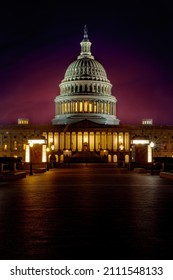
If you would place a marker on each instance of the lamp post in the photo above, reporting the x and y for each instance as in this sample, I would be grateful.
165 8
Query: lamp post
67 155
35 141
130 158
47 158
121 149
152 146
31 145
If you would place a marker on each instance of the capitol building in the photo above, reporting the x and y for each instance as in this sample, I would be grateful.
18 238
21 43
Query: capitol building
86 127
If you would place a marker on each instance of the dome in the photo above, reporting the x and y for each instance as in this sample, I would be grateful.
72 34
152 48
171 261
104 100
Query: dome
85 68
85 91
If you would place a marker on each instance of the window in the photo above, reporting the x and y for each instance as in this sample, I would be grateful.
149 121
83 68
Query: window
91 141
95 106
90 106
147 122
80 106
15 145
86 106
79 139
5 147
73 144
165 146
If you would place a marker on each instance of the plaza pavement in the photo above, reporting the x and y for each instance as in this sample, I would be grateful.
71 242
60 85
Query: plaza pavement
86 213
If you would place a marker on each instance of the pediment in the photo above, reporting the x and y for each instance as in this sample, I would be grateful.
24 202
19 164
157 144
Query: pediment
84 124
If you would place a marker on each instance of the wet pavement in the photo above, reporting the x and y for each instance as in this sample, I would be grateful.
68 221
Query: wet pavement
86 213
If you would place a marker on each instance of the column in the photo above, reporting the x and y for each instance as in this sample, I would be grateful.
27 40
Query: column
94 141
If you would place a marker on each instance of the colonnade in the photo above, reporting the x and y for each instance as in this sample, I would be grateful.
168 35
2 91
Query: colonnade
85 106
100 88
95 140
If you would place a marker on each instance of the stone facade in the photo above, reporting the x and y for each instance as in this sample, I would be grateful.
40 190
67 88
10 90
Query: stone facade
85 126
86 138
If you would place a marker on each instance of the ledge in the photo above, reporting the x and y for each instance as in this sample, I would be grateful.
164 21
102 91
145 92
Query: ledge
167 175
13 176
39 170
139 170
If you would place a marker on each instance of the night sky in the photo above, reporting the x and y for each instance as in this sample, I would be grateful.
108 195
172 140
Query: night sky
133 40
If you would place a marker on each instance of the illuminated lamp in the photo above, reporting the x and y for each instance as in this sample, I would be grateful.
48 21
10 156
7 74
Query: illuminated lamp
121 147
85 139
47 150
52 147
152 144
37 141
140 141
31 145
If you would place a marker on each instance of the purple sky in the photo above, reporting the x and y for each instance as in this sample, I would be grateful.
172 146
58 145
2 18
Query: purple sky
135 50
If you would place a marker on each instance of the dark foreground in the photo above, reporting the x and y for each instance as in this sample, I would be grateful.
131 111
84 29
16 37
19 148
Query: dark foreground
86 213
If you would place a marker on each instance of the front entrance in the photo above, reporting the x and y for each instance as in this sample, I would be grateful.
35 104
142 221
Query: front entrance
141 154
85 146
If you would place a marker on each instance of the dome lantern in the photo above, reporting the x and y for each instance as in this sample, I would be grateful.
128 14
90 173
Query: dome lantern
85 46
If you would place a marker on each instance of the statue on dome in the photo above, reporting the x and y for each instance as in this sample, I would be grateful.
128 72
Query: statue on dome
85 31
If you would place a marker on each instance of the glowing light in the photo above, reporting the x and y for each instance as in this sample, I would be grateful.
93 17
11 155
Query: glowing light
147 121
140 141
36 141
27 153
149 153
52 147
23 121
44 154
152 144
121 147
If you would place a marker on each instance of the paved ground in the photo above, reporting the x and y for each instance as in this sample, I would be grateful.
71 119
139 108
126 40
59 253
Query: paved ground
86 213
